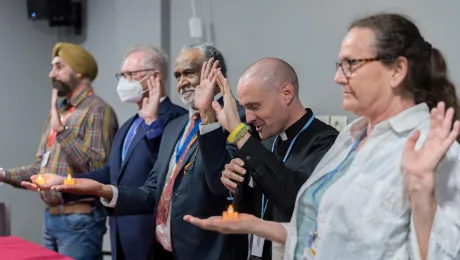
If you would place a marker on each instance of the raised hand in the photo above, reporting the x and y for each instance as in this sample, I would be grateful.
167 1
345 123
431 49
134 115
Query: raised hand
418 166
206 90
55 121
228 115
151 104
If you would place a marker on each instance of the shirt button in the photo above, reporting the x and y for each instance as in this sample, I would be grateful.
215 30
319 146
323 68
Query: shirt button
248 157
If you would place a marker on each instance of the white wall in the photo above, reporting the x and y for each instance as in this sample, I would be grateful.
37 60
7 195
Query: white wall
307 34
114 26
25 57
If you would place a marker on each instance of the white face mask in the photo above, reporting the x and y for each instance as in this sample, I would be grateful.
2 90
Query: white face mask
187 96
130 90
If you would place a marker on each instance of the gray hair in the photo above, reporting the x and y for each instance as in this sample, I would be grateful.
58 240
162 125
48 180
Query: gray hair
153 58
208 51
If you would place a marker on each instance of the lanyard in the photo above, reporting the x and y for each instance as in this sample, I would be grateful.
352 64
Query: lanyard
329 176
180 149
52 135
265 202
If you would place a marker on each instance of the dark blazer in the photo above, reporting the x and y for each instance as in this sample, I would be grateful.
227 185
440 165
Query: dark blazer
133 233
194 193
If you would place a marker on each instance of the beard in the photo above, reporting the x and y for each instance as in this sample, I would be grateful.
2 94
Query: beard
64 89
187 96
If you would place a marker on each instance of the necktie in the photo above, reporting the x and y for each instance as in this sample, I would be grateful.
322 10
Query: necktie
165 199
129 137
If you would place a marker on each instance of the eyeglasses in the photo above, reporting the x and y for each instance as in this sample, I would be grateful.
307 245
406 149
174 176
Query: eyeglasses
129 74
348 66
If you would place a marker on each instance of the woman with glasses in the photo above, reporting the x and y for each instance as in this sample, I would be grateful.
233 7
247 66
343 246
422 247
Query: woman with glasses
389 187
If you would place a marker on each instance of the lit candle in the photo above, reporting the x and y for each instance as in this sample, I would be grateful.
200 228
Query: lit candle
230 214
69 180
40 180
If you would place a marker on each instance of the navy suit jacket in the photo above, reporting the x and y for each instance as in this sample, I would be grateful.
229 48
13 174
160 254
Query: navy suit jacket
197 192
135 233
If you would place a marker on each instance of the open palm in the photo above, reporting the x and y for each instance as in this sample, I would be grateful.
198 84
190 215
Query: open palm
228 114
151 104
50 179
81 186
204 93
242 225
418 166
55 121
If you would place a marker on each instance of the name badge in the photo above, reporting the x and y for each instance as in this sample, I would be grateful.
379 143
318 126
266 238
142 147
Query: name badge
257 246
45 158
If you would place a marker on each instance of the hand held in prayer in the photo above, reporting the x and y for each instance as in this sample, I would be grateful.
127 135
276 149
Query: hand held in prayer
232 176
81 186
151 104
228 115
418 166
55 121
205 92
243 224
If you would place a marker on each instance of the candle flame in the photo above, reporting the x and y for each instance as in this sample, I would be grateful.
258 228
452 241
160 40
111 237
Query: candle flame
40 177
230 209
69 177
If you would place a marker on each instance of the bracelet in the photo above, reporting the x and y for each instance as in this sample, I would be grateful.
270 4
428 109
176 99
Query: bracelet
232 135
241 134
208 123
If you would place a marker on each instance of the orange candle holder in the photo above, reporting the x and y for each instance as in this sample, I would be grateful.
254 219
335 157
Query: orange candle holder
69 180
40 180
229 214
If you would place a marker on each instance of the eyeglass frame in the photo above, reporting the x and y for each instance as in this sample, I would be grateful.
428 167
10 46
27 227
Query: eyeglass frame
352 62
130 73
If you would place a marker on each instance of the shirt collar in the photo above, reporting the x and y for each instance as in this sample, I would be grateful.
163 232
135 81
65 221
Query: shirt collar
191 112
404 121
295 128
75 101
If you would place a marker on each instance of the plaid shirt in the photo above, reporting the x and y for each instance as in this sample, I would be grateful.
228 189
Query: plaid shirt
82 147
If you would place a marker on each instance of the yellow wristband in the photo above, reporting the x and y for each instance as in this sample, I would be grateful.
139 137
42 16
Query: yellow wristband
235 131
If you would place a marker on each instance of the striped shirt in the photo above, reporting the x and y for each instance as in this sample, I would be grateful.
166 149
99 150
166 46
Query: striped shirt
82 147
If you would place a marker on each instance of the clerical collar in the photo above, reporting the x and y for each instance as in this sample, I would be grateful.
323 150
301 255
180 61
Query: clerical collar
295 128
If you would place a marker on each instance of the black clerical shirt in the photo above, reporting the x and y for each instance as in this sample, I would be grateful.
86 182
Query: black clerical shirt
280 182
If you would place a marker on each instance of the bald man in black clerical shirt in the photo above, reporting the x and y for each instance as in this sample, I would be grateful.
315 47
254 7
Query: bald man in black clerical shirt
269 174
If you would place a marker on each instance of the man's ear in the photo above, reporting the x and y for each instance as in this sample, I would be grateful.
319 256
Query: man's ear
157 74
288 92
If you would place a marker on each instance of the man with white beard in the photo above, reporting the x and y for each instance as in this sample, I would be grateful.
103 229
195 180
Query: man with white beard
180 182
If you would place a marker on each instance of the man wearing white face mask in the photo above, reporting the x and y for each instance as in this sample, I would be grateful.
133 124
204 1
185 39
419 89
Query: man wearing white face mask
131 159
180 183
